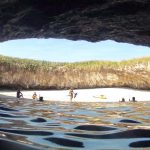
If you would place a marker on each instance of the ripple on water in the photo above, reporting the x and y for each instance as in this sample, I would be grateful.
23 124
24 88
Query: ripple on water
94 128
140 144
38 120
137 133
65 142
11 116
9 144
27 132
7 109
129 121
74 125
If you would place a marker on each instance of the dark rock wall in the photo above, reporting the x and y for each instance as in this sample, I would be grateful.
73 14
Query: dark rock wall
92 20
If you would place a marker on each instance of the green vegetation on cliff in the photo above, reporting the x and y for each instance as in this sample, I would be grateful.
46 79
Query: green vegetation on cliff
33 74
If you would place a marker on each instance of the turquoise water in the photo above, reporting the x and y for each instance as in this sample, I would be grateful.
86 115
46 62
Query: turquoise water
65 125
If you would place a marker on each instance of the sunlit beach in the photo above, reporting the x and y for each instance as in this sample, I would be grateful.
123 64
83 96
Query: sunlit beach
86 95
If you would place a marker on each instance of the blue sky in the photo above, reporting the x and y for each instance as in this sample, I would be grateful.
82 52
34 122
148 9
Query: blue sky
62 50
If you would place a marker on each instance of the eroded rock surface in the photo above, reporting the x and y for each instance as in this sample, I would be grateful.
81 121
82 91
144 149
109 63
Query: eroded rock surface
91 20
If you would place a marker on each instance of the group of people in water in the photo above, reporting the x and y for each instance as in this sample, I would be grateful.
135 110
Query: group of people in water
71 94
130 100
19 95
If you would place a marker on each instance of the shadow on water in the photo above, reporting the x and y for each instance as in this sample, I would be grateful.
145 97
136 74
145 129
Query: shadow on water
62 125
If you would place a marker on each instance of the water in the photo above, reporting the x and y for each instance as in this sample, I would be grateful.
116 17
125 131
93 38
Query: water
64 125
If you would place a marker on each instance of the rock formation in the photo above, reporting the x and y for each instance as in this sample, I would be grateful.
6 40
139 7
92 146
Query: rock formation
32 74
91 20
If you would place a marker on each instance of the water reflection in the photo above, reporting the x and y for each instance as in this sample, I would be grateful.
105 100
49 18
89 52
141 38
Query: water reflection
62 125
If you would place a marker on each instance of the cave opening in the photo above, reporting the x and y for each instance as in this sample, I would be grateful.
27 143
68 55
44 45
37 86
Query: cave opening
63 50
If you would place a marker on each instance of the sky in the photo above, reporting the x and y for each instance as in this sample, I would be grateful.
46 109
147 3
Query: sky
62 50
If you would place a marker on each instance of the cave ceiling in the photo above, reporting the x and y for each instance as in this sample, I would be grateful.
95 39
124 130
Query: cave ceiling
92 20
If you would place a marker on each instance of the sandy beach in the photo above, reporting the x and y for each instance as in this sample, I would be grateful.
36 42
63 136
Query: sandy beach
85 95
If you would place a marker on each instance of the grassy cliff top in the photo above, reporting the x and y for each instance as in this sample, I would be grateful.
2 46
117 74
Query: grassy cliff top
37 64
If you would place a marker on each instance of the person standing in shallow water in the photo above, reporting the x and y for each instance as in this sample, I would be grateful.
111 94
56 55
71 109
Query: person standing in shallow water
19 94
71 92
34 96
